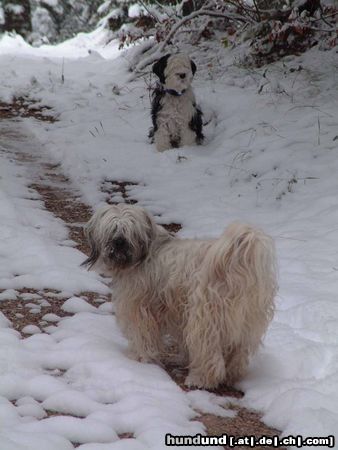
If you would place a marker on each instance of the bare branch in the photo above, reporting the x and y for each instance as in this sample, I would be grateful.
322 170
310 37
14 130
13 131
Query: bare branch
257 10
249 11
326 17
149 11
193 15
165 10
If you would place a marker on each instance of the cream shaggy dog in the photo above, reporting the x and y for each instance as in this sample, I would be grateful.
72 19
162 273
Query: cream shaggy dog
177 120
201 304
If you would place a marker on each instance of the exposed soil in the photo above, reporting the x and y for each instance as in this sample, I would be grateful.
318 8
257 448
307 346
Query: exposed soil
64 202
32 305
120 188
246 422
116 189
26 107
67 207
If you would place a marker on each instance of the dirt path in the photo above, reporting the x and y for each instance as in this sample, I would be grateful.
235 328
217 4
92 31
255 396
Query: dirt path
61 199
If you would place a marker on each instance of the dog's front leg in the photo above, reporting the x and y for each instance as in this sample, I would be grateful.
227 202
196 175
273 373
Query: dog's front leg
143 349
142 330
162 138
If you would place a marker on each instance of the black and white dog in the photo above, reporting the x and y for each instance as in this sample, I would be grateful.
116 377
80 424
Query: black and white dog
177 120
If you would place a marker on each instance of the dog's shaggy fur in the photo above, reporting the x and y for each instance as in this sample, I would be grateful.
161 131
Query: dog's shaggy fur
202 304
177 121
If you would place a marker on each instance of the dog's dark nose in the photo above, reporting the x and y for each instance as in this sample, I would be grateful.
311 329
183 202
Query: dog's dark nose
182 75
120 243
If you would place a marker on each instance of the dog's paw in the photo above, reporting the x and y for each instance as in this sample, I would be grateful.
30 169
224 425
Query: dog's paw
194 380
132 354
147 359
141 357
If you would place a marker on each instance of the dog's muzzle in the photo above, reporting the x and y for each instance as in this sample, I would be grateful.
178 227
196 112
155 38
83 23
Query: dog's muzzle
120 252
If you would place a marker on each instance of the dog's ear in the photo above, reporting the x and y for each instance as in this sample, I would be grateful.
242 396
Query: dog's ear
193 67
92 258
151 225
159 67
94 250
90 232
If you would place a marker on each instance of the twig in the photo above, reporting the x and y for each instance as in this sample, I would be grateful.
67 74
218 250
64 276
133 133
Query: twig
325 17
323 30
102 127
257 10
193 15
318 130
144 63
311 106
166 10
149 12
63 71
290 238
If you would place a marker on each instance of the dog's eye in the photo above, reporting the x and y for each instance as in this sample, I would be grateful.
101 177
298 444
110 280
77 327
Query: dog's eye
182 75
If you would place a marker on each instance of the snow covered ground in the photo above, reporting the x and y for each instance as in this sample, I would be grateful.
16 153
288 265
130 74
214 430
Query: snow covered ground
270 158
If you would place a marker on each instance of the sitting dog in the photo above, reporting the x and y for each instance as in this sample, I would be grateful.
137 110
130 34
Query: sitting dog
177 121
201 304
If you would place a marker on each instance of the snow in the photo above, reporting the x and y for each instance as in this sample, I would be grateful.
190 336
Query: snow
136 10
104 7
80 46
75 304
209 403
74 429
51 2
269 159
31 329
106 392
15 9
8 294
33 251
50 317
28 407
4 322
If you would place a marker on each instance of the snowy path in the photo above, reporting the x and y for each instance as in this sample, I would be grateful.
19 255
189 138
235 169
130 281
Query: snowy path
64 379
76 366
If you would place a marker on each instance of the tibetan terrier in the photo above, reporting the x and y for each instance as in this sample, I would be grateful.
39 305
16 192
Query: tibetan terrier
176 118
200 304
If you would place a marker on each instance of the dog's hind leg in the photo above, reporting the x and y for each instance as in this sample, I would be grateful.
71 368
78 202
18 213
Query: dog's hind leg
236 364
203 339
188 137
196 125
209 374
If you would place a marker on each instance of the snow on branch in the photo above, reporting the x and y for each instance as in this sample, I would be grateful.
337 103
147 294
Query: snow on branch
273 30
210 9
200 12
